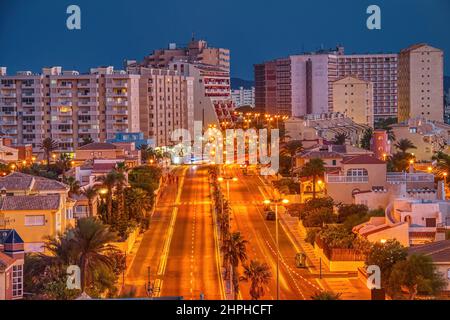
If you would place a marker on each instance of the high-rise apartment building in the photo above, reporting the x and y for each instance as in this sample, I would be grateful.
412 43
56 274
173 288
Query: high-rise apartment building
303 84
382 71
196 51
297 85
421 83
166 103
243 97
354 98
68 106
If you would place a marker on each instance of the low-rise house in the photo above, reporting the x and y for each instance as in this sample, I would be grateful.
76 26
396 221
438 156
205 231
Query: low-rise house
428 136
120 152
439 252
410 221
36 207
7 153
325 126
11 265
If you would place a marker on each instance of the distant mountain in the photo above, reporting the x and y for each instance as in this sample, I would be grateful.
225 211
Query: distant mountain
236 83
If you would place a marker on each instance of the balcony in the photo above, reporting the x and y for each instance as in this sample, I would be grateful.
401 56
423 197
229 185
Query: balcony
8 95
112 111
7 86
394 177
87 85
346 179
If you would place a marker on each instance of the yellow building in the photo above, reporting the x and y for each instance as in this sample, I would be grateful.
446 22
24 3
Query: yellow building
420 83
35 207
354 98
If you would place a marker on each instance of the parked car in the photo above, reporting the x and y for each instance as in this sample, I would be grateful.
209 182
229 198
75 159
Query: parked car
271 216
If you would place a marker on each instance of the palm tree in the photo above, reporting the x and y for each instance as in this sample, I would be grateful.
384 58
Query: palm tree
121 175
108 182
91 241
90 193
86 140
74 185
366 139
313 169
340 139
63 163
291 149
404 145
48 145
326 295
147 152
259 275
234 251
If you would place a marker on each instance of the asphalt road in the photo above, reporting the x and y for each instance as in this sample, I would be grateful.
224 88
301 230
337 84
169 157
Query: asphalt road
179 248
247 196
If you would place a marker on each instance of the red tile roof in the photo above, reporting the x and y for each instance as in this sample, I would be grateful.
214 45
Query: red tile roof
362 159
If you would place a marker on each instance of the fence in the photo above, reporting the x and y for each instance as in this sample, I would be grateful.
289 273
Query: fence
338 254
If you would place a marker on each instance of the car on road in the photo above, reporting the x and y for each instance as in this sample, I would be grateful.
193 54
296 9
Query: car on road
271 216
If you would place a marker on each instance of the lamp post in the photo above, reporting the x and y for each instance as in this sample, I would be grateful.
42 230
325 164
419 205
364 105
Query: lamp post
277 202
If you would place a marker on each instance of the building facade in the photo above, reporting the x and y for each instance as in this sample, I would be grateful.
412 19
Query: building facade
382 71
354 98
196 51
243 97
68 106
421 83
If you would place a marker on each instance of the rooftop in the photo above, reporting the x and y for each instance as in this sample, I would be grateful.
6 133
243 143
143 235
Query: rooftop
99 146
22 181
34 202
438 251
362 159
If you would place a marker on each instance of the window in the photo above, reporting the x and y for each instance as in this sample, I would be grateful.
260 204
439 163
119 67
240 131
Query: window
17 281
31 221
357 173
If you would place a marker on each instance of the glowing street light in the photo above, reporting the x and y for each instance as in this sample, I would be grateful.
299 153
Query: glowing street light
277 202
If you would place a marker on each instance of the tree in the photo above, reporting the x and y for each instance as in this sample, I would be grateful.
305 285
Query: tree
108 182
417 274
48 145
313 169
121 181
148 153
86 140
86 245
386 255
442 162
404 145
385 124
347 210
326 295
91 243
366 139
291 149
63 163
399 162
234 251
74 185
259 275
90 193
340 138
318 217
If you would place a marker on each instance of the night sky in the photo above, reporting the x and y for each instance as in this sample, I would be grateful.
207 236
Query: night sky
33 33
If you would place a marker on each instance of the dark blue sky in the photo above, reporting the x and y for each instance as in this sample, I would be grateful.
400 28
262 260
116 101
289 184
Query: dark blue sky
34 34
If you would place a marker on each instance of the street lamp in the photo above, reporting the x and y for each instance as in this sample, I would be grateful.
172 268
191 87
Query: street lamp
277 202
